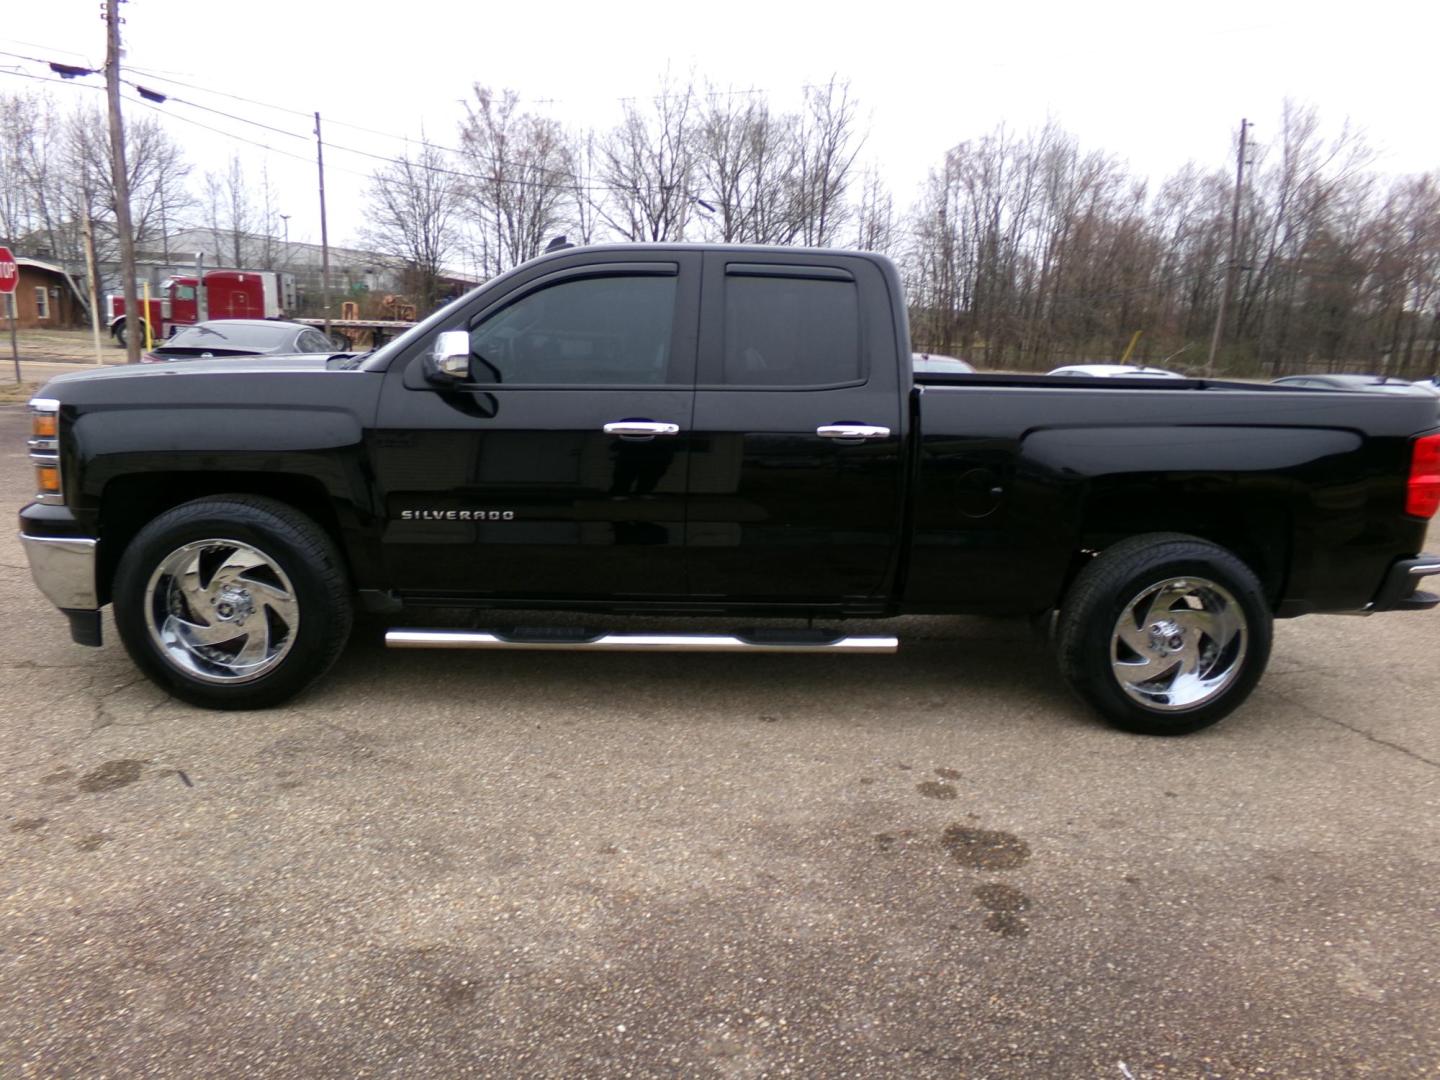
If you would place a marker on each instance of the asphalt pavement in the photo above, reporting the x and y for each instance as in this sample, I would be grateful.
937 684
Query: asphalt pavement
936 864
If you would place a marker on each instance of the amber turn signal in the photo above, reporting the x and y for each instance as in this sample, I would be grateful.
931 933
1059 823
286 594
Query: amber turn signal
47 479
44 425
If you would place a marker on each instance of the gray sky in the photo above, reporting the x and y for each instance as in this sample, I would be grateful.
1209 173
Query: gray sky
1156 84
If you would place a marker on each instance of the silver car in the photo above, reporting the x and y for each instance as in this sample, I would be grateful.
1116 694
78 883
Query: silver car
1116 371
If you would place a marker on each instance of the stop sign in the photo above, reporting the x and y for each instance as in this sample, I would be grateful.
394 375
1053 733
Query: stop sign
9 272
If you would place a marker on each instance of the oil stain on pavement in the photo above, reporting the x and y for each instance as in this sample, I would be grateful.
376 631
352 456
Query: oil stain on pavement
984 849
111 775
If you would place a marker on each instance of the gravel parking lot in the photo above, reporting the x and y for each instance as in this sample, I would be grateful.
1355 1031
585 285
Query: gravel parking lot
551 864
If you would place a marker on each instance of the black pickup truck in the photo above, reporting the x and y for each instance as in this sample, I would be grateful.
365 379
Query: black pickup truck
704 430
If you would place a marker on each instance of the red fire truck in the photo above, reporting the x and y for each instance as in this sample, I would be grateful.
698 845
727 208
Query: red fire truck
227 294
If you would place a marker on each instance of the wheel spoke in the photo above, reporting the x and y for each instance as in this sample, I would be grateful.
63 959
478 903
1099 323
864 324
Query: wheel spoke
1160 604
186 580
233 569
192 633
282 605
1137 637
274 594
257 644
1135 674
1188 658
1224 625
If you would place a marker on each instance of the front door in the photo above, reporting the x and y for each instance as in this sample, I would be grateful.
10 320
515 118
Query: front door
558 472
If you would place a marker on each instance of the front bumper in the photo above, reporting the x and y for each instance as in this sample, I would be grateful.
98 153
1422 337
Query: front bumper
63 563
64 568
1400 590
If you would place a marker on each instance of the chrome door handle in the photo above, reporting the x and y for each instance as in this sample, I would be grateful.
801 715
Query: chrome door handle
641 427
852 431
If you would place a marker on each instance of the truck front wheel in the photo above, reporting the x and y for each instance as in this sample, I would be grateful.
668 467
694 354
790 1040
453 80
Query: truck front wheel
232 602
1164 634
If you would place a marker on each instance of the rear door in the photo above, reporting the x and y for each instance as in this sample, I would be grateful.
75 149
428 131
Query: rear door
796 468
558 472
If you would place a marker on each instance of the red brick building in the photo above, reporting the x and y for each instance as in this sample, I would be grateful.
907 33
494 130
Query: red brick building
44 298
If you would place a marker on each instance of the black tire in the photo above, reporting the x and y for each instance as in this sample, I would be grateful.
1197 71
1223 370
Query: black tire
1162 572
300 563
118 333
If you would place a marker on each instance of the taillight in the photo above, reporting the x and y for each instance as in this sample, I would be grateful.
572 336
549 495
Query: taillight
1422 492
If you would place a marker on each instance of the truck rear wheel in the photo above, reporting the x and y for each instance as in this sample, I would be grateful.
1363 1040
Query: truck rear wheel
232 602
1164 634
118 331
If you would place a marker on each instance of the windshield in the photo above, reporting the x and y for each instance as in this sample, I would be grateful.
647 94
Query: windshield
239 335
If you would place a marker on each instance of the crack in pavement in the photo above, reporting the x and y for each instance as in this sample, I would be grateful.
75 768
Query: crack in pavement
102 717
35 665
1358 731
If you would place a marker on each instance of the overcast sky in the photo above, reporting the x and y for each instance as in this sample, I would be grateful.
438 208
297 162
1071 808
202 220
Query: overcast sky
1154 83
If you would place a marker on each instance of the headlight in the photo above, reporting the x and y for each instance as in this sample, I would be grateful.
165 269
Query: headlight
45 450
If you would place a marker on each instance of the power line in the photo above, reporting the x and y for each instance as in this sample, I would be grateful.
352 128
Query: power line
43 79
561 177
148 98
240 138
150 95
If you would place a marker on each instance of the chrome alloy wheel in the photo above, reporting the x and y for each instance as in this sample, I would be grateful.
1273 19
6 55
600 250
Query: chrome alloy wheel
1179 644
221 611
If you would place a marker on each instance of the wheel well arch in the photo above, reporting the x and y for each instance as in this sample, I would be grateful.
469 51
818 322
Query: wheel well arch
1261 539
129 503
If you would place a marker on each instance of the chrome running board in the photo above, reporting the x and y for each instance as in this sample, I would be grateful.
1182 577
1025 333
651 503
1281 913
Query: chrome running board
768 641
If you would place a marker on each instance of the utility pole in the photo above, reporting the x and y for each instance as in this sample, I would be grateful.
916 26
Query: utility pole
120 179
90 274
1230 267
324 231
164 225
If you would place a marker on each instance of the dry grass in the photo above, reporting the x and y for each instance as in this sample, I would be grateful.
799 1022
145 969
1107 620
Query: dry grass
13 393
61 345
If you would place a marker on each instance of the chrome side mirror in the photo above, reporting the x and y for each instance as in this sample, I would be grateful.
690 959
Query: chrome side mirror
449 361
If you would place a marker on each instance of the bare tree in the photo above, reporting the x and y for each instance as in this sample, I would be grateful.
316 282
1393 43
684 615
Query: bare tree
159 175
229 212
267 222
875 224
647 164
828 145
584 215
745 169
20 129
522 178
411 211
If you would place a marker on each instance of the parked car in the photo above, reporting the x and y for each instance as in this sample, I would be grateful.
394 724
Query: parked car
241 337
934 364
1116 371
1375 384
583 433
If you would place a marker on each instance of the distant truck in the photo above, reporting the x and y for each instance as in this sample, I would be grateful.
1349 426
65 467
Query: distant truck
228 294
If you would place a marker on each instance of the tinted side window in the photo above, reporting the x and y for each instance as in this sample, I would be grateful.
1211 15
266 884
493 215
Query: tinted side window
314 341
783 331
606 330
